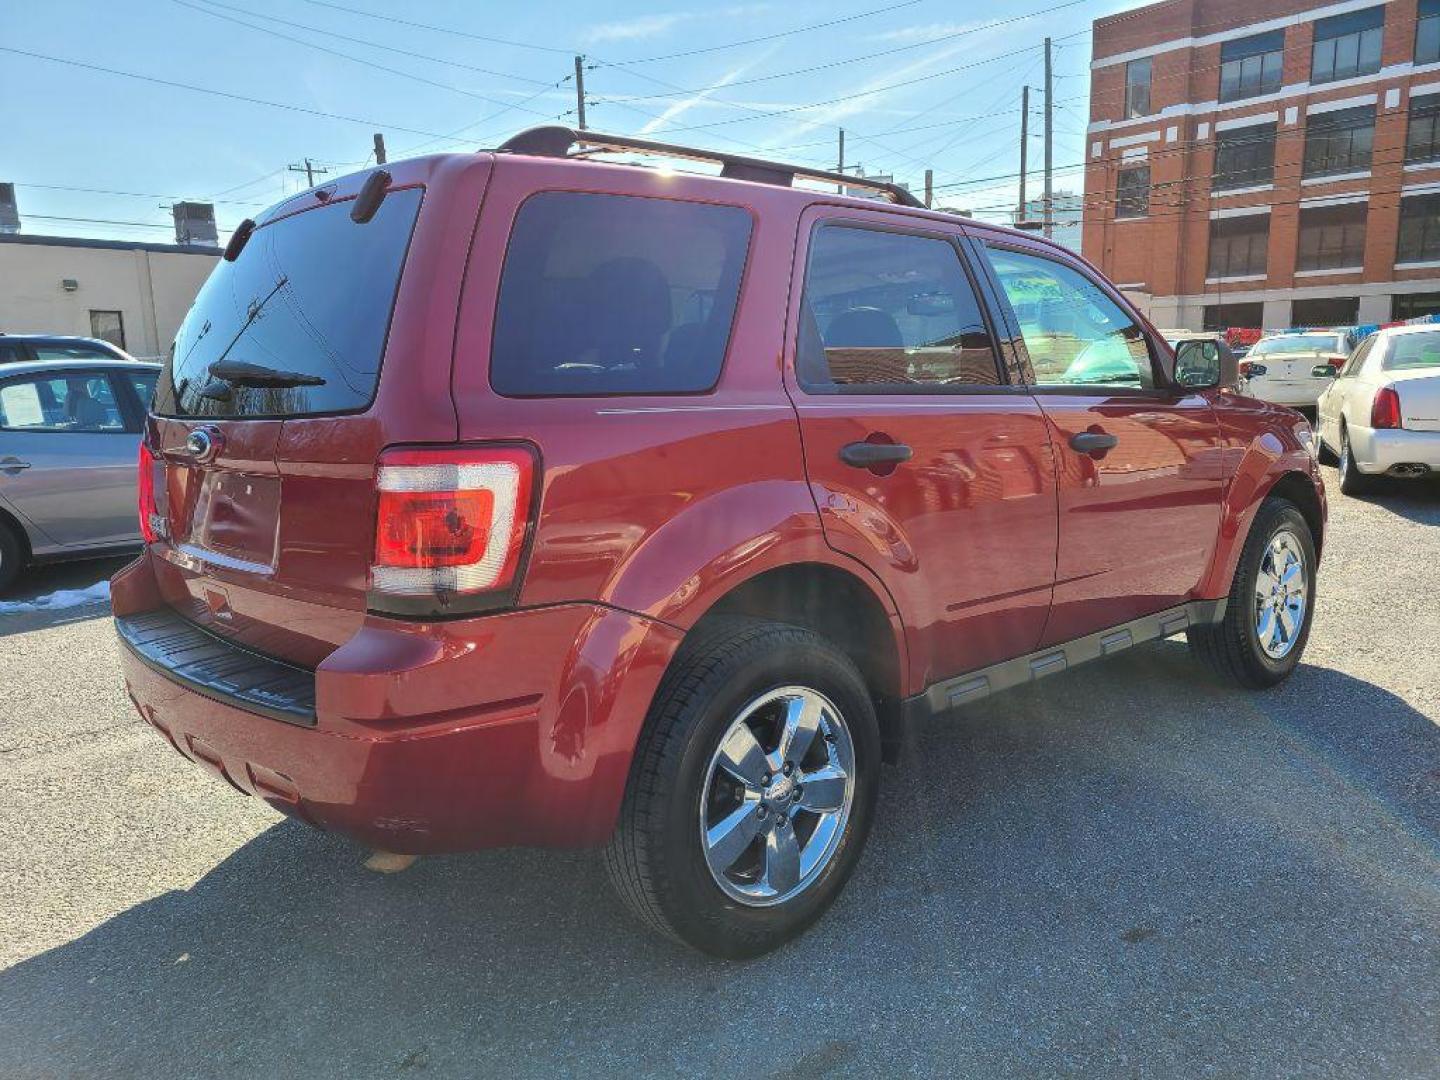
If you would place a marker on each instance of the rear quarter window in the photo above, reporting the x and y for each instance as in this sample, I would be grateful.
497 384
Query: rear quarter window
617 294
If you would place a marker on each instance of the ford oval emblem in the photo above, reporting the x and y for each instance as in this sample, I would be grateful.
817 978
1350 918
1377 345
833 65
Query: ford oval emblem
203 444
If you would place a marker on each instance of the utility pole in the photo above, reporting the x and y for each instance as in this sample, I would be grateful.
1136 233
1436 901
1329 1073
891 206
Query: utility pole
309 169
840 164
580 90
379 149
1049 143
929 187
1024 148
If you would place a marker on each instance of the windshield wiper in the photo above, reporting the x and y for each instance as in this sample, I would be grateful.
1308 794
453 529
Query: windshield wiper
244 373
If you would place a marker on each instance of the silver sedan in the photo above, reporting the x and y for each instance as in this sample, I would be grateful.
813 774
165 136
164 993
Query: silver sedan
69 437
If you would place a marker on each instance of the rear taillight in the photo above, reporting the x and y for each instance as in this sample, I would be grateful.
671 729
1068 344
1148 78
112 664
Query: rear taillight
1336 362
145 493
1385 409
450 523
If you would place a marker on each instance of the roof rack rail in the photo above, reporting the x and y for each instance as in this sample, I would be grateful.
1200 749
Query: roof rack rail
554 140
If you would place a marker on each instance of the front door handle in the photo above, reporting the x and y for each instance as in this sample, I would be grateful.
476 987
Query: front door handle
868 455
1093 442
13 464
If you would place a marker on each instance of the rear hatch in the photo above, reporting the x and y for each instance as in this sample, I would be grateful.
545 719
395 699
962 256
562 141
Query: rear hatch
272 409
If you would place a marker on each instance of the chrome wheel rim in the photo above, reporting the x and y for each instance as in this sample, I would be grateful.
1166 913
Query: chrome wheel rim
777 796
1344 456
1281 595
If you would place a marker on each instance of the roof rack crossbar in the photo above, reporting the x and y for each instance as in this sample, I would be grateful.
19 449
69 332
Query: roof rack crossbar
554 140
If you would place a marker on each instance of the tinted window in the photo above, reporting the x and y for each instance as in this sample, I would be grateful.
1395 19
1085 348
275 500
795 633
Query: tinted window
1251 66
1239 246
144 384
1244 157
71 402
614 294
1075 334
11 354
1340 141
70 352
310 294
886 310
1347 45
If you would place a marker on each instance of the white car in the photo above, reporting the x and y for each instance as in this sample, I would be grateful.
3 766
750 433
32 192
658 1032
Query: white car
1381 413
1281 368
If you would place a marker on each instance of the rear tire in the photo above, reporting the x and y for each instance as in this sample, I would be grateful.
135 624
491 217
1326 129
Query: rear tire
799 822
1268 613
1352 480
12 556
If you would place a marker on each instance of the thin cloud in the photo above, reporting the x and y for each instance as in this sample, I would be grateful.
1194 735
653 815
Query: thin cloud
678 108
642 27
926 32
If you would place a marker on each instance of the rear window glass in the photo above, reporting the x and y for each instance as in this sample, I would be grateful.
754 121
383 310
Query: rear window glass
1408 351
1299 343
310 295
616 294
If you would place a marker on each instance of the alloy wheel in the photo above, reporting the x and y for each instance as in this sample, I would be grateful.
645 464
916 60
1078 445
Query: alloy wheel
1281 595
777 796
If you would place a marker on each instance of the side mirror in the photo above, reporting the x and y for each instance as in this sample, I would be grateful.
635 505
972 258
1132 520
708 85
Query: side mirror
1323 371
1200 365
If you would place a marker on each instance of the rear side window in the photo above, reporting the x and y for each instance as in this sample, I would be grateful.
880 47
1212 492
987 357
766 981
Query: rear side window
616 294
310 296
78 402
887 310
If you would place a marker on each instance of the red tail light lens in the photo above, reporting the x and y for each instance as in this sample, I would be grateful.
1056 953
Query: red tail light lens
450 522
1336 362
1385 409
145 492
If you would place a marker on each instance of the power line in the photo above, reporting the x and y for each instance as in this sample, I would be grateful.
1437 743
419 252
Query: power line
139 194
444 29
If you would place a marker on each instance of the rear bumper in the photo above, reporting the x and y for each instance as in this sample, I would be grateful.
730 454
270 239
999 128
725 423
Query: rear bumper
1292 393
514 728
1378 451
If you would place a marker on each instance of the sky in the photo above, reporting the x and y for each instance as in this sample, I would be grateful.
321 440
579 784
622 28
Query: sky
218 98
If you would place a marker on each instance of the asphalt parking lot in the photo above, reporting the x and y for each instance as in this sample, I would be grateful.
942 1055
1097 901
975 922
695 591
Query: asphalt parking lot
1125 871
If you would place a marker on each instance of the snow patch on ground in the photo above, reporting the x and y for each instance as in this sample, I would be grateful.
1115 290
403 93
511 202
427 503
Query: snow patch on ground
98 593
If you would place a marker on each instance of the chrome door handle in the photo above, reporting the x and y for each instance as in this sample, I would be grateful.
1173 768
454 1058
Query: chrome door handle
13 464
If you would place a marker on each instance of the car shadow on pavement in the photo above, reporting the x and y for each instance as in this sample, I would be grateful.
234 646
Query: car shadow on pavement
1076 878
1413 500
54 594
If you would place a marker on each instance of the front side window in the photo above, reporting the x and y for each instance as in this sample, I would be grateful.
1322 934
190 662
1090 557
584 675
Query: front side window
1419 229
108 326
1239 246
1332 237
1251 66
1357 359
1075 333
1347 45
1427 32
1137 88
1244 157
889 310
1132 192
69 403
1411 352
1340 141
1422 135
617 294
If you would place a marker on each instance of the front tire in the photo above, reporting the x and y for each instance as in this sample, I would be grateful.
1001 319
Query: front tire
752 790
1271 603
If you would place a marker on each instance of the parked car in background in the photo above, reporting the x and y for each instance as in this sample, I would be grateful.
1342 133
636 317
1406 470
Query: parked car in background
674 501
1212 348
69 435
15 348
1281 368
1380 415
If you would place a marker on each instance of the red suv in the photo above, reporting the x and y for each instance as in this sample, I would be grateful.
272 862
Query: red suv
519 498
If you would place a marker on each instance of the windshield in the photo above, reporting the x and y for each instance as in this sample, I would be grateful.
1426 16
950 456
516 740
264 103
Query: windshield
1299 343
309 297
1409 351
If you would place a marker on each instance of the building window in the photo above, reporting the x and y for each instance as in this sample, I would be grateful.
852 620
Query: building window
1427 33
1340 141
1347 45
1244 157
1326 311
1414 305
1419 229
1422 137
1132 192
1137 88
108 326
1222 316
1252 65
1238 246
1332 237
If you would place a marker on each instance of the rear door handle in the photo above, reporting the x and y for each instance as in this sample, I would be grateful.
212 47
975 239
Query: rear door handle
13 464
1093 442
868 455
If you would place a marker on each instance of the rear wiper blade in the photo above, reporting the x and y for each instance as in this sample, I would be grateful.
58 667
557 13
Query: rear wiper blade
244 373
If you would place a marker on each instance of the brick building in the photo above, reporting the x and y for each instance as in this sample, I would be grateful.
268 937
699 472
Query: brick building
1267 162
